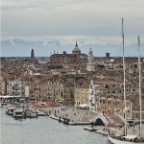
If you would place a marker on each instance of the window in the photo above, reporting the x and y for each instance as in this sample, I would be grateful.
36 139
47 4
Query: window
106 86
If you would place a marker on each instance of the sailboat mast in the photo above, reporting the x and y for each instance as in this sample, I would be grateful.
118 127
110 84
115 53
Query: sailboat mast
124 67
140 100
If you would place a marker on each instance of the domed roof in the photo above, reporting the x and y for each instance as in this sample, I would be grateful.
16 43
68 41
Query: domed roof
76 50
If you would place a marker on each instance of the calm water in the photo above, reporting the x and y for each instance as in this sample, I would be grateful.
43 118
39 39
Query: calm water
44 130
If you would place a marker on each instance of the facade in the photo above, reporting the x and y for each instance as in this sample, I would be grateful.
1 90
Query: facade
75 58
81 93
111 105
61 90
136 106
2 86
17 87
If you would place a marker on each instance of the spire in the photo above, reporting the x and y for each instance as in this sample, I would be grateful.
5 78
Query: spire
76 50
76 45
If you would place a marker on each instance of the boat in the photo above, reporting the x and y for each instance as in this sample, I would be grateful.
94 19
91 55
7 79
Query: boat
125 138
31 113
128 139
19 113
10 110
40 113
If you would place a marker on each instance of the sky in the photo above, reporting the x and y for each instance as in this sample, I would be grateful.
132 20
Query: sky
58 24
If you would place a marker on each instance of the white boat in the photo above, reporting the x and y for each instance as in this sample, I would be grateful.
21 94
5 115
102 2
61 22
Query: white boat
129 139
10 110
40 113
19 113
31 113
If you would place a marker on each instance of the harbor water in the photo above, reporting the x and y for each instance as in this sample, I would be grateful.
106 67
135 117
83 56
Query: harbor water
44 130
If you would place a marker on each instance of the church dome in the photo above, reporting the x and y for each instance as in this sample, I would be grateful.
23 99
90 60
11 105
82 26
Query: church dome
76 50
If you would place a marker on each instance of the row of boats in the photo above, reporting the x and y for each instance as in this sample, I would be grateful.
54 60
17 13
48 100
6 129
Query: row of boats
24 113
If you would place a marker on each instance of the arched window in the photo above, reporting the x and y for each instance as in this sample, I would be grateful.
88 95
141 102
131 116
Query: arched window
106 86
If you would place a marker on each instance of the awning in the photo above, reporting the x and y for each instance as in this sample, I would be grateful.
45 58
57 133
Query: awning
84 105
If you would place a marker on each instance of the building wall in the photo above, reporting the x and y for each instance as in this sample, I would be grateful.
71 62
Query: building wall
60 90
81 96
68 58
110 106
2 86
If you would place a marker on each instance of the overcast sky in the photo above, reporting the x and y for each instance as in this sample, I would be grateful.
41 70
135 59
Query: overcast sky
92 21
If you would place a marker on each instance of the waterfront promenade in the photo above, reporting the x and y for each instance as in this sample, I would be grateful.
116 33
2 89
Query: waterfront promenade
71 113
85 117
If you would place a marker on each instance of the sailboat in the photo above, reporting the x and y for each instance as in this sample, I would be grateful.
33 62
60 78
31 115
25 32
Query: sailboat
129 139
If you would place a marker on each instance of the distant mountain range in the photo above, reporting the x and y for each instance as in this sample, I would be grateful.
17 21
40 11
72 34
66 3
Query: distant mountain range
18 47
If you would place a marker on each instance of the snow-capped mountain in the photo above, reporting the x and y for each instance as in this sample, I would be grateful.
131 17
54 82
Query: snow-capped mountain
18 47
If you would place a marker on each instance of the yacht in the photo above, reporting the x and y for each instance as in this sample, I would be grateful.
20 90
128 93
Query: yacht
125 138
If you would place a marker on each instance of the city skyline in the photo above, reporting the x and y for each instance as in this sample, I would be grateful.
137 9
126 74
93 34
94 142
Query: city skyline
48 26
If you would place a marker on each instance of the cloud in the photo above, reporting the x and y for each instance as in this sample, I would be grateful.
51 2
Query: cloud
50 4
86 21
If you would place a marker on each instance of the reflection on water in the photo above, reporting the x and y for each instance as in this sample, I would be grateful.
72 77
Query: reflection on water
44 130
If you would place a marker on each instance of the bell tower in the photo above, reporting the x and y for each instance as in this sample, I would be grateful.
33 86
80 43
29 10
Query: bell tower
32 54
90 64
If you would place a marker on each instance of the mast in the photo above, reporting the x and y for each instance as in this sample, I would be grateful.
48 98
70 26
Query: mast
140 100
124 67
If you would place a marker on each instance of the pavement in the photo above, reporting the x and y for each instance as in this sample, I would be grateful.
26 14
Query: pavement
83 115
72 113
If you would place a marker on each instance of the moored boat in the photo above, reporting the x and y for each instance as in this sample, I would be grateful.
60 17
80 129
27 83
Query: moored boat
125 138
10 110
40 113
19 113
31 113
129 139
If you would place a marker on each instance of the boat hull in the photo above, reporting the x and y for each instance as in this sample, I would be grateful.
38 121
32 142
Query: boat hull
115 141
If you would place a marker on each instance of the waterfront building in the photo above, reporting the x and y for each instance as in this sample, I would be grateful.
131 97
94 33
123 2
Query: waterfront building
17 86
3 81
135 106
61 89
81 92
112 105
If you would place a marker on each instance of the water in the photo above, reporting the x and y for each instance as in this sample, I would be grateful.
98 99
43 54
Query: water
44 130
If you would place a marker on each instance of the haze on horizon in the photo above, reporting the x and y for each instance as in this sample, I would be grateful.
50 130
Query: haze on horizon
48 25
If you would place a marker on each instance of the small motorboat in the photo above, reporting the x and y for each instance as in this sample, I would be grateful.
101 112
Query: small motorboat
31 113
40 113
10 110
19 113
